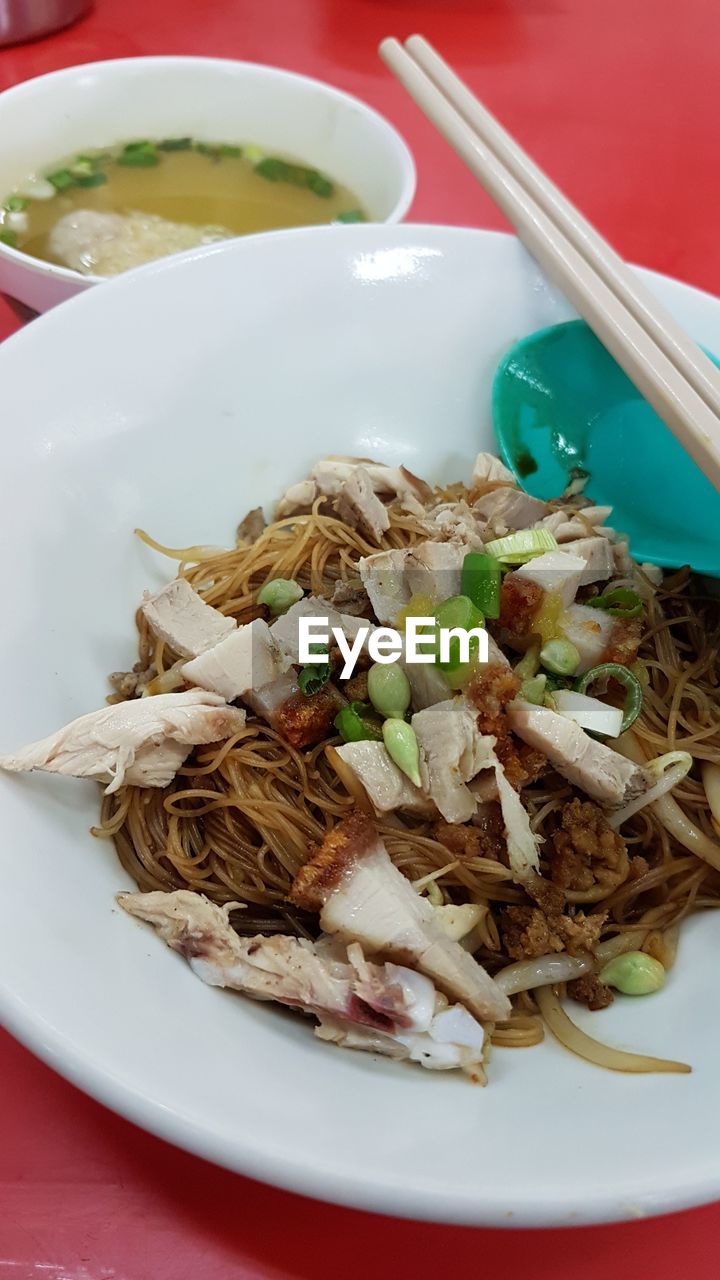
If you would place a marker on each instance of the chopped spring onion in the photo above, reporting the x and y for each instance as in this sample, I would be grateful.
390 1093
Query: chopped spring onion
298 175
524 545
354 725
668 770
314 678
140 155
560 657
403 748
389 690
353 215
480 581
8 237
543 971
279 594
458 611
16 204
619 602
529 664
589 713
61 179
565 1030
91 179
634 974
632 686
175 144
533 690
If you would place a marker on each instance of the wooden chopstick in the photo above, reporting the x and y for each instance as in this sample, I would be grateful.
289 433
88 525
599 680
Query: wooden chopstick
568 255
699 371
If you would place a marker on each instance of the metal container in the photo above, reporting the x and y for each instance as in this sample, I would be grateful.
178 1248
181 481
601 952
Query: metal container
26 19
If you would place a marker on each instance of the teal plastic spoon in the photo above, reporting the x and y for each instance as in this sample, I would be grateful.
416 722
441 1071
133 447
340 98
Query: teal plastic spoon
560 402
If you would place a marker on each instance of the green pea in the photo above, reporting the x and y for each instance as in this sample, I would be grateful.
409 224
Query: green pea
634 974
533 690
402 747
560 657
389 690
279 594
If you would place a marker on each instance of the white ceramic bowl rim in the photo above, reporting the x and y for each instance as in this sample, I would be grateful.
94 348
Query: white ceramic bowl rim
637 1191
24 88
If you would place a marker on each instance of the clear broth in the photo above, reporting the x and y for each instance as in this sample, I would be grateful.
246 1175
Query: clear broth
189 186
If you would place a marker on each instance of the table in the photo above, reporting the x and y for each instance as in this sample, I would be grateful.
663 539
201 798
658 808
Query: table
619 101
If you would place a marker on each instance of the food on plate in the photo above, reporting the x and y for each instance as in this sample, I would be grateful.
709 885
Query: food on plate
104 211
416 762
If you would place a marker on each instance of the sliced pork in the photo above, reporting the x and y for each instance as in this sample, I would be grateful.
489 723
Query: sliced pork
508 508
452 752
249 658
141 743
603 774
180 617
489 469
590 630
359 506
384 1008
363 897
559 571
387 787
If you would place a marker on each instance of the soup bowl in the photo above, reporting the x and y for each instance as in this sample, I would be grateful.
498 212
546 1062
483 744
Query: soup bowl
46 119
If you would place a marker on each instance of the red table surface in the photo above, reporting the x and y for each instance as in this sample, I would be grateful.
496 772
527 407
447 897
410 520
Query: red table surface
618 99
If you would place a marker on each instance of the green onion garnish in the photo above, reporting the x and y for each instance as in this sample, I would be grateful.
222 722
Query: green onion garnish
560 657
619 602
314 678
298 175
139 155
533 690
480 580
92 179
9 238
175 144
353 215
16 204
524 545
615 671
353 724
61 179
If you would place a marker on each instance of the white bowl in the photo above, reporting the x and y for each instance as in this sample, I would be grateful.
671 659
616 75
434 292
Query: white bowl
175 398
216 100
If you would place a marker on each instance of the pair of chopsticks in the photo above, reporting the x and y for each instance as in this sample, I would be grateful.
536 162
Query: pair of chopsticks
666 366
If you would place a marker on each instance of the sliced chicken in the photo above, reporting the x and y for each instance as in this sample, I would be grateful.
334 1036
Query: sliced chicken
600 772
509 508
330 475
249 658
565 528
141 743
489 468
359 506
180 617
598 556
363 897
590 631
383 577
298 498
559 571
433 569
428 686
452 752
385 1008
454 522
522 843
285 631
387 787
